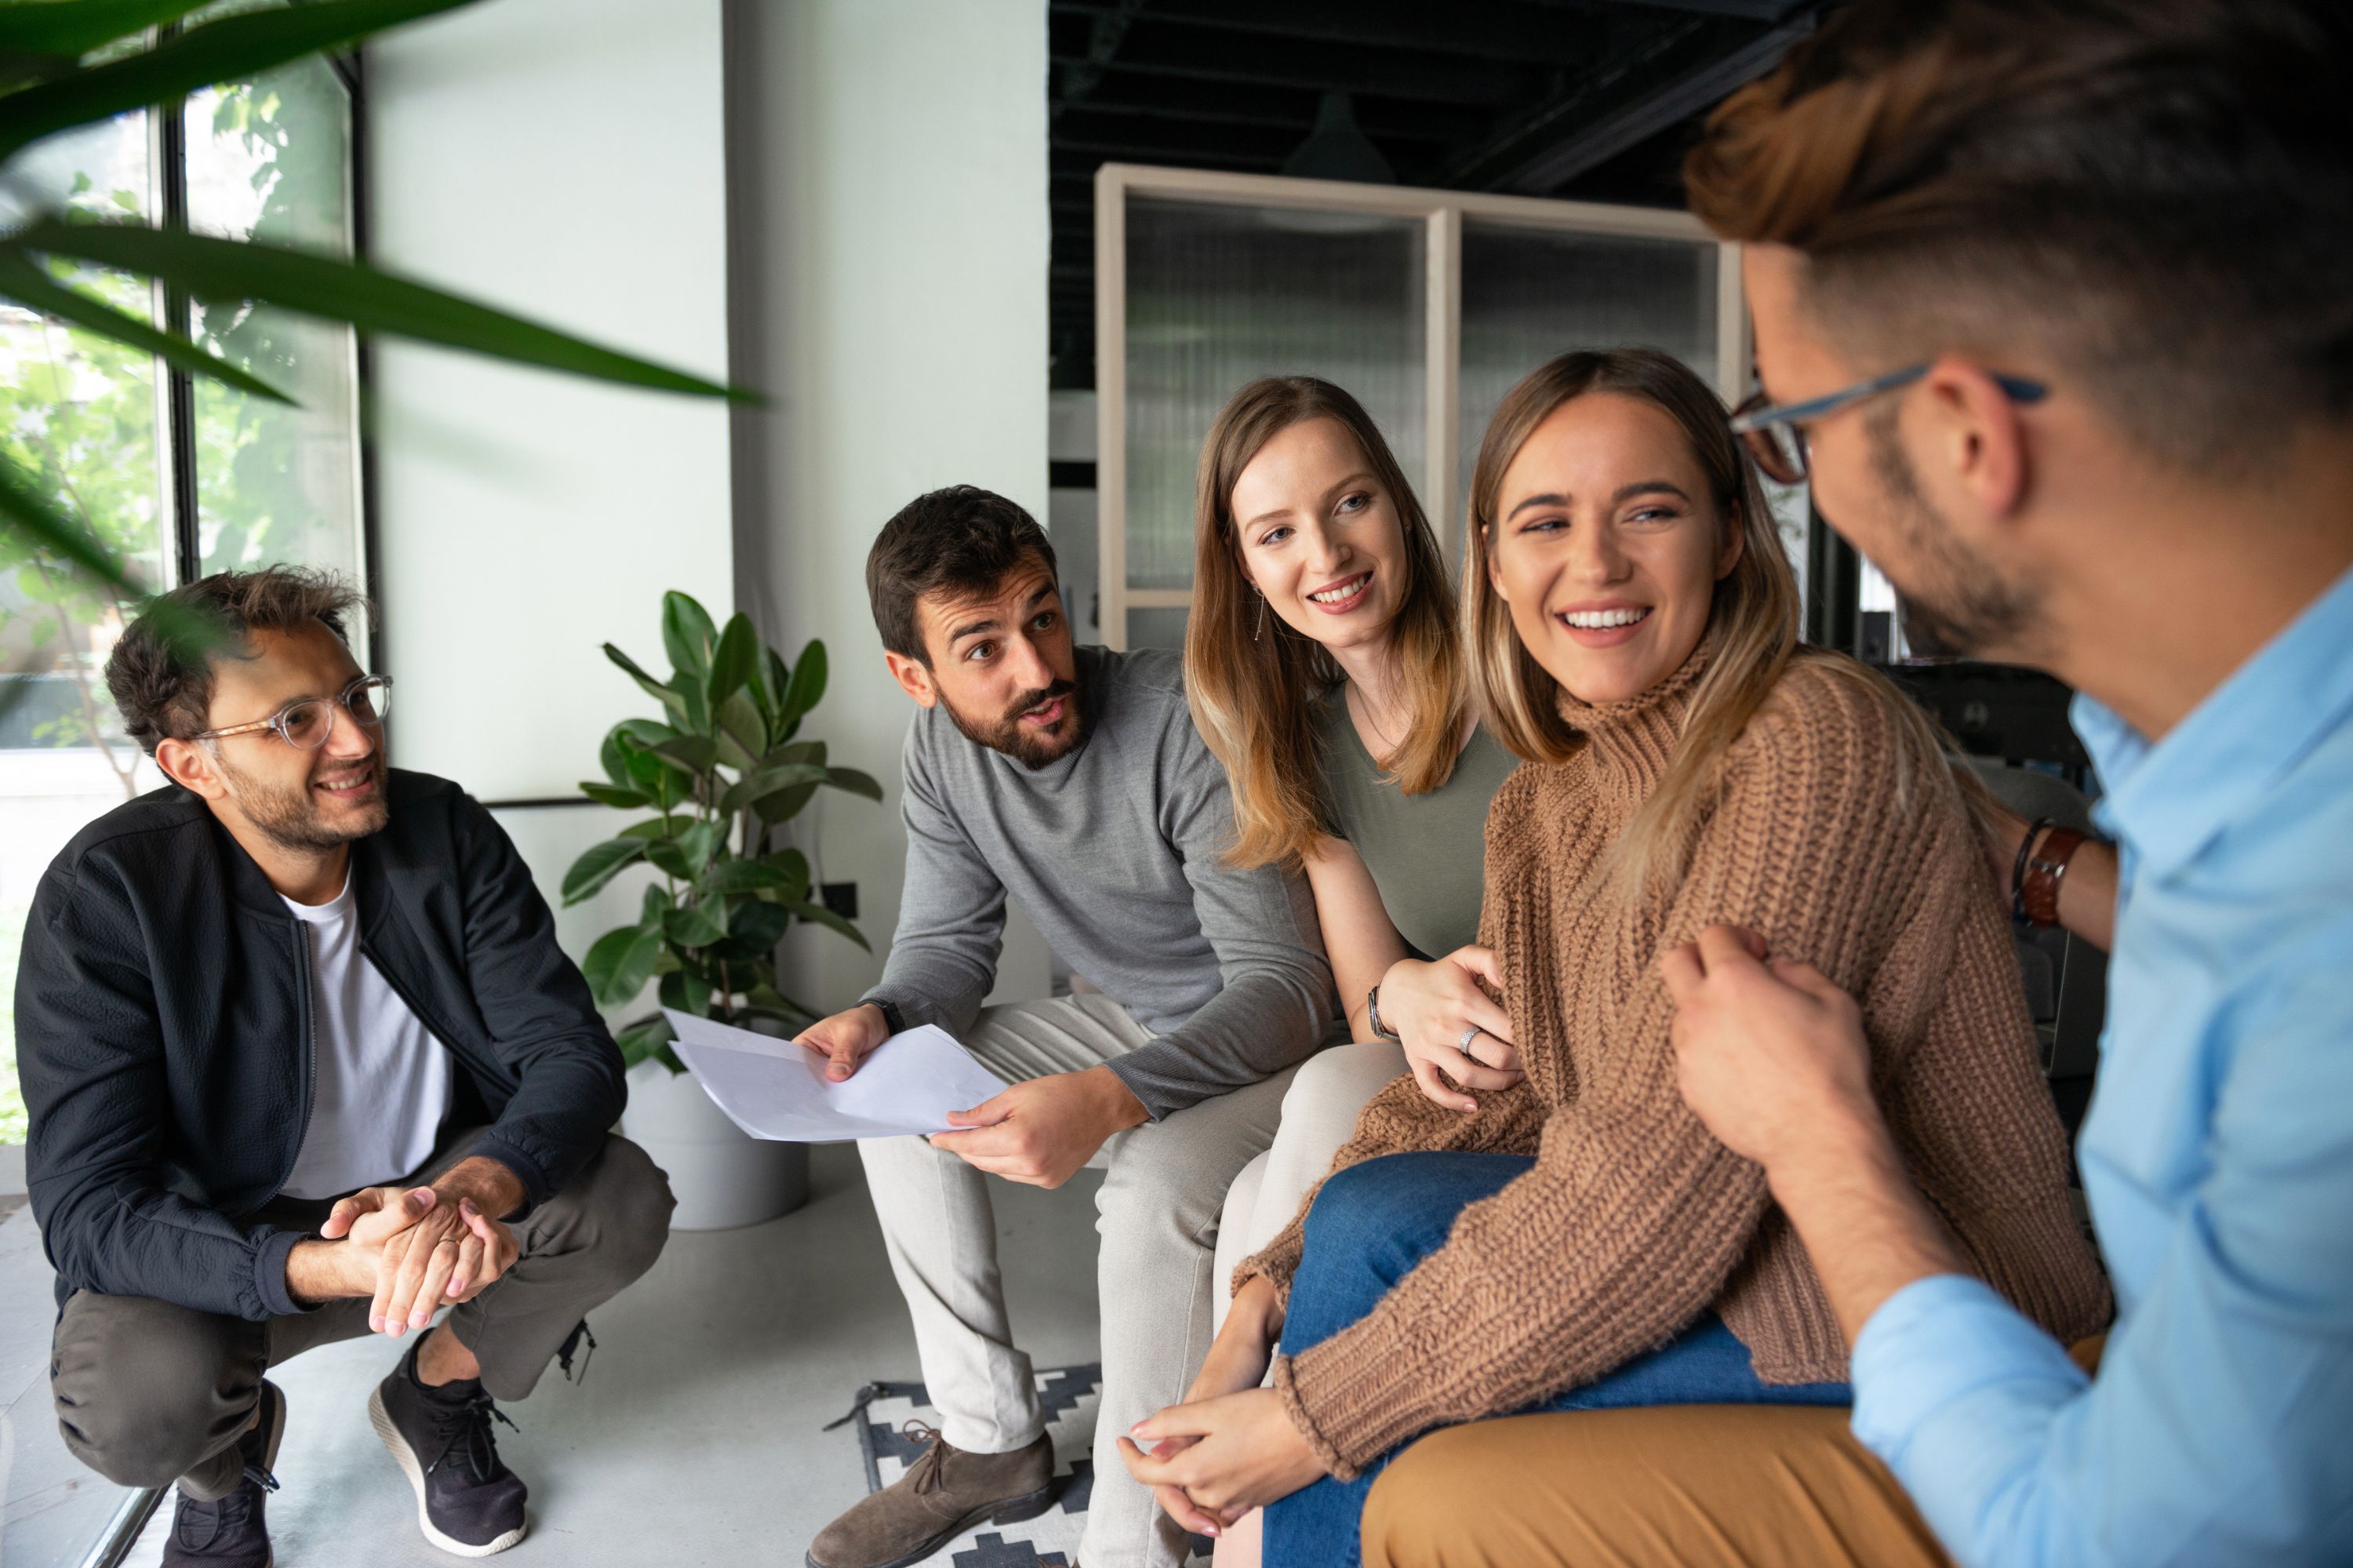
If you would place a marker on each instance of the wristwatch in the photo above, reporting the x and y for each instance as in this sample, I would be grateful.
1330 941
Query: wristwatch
1373 1015
892 1018
2041 866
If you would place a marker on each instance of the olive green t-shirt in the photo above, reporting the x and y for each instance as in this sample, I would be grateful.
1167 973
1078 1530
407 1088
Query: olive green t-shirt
1428 853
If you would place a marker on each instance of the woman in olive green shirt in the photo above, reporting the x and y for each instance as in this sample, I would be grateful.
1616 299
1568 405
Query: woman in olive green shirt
1322 668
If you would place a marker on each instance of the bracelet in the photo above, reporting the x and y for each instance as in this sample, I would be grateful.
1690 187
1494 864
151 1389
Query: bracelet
1373 1015
2038 895
2034 829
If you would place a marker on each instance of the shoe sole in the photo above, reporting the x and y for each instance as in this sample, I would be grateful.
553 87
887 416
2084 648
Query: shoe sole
405 1458
1014 1510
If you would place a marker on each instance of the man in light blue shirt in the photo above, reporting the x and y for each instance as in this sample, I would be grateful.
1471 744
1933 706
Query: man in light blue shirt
2052 300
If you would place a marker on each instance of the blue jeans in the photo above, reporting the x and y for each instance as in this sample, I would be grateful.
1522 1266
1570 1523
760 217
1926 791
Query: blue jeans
1371 1225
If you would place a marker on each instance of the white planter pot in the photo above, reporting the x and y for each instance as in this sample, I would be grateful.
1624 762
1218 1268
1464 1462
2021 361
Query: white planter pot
722 1176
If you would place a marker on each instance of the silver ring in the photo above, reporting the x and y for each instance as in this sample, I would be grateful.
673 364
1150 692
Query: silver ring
1463 1044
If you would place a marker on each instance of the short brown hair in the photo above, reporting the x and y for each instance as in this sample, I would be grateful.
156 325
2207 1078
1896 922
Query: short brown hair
960 540
2155 190
161 673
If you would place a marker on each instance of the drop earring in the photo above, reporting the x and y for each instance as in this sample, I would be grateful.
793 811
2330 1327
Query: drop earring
1262 614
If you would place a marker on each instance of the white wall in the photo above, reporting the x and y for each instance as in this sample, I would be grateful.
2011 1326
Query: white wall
888 182
563 159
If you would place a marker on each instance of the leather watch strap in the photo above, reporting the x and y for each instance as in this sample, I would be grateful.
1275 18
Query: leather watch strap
2046 867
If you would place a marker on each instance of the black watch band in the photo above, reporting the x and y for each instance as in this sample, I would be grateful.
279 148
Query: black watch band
892 1018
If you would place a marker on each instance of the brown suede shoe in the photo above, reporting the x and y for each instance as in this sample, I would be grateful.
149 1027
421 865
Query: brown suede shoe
946 1493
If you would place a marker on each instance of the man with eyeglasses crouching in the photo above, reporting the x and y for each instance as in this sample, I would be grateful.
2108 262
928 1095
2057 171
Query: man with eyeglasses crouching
304 1062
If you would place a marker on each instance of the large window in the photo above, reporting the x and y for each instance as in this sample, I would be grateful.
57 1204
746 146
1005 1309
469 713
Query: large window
182 477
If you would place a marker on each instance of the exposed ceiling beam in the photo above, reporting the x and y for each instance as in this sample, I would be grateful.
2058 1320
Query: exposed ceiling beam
1106 32
1204 103
1197 53
1493 29
1747 10
1659 105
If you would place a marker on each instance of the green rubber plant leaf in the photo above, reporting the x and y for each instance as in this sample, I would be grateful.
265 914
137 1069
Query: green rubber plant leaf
669 859
777 680
687 991
234 48
854 781
734 659
34 289
700 842
697 925
649 1040
656 828
80 27
808 683
689 753
818 913
615 761
758 926
619 963
737 876
610 795
597 866
316 283
753 788
687 635
664 695
796 867
741 732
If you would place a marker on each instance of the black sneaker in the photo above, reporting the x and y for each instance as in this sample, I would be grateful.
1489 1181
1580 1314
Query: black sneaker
231 1529
468 1501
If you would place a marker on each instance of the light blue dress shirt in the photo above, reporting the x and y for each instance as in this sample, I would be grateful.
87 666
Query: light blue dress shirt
2218 1161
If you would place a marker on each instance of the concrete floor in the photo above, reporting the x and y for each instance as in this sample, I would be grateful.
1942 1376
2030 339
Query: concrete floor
693 1439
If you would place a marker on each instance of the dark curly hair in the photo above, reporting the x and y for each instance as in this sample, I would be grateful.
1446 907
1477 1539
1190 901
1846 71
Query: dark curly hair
161 674
959 540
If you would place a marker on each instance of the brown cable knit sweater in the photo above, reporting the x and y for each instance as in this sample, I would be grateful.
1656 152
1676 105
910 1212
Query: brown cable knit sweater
1635 1220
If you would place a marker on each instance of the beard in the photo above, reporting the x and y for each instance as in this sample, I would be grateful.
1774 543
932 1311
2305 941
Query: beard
289 817
1954 600
1028 746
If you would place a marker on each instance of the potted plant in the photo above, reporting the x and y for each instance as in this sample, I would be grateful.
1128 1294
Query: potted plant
723 770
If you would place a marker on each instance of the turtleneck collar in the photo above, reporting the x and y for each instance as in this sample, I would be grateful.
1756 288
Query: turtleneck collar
1636 736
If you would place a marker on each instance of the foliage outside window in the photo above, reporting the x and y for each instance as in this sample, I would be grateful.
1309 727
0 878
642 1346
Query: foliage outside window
178 476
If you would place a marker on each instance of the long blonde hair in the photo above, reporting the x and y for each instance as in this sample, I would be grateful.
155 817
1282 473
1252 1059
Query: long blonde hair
1251 681
1752 621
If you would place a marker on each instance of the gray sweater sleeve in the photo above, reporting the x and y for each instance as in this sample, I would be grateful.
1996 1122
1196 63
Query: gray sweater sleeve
1276 1004
951 910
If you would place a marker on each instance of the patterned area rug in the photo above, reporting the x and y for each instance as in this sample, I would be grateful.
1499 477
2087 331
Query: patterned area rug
1068 1396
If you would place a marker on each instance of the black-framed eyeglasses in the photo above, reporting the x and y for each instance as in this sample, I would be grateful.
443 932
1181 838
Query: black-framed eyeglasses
1775 435
306 724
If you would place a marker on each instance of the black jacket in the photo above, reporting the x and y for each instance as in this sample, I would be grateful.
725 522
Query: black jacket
164 1034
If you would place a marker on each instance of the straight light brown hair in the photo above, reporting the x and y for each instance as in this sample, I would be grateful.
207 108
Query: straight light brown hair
1752 621
1251 680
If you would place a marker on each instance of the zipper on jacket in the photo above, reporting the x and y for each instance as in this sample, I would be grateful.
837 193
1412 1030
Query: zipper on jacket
307 1010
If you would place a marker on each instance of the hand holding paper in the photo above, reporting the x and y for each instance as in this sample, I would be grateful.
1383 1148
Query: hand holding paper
777 1089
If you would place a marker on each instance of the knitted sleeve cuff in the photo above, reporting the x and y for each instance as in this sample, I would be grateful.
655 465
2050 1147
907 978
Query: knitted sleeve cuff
1329 1457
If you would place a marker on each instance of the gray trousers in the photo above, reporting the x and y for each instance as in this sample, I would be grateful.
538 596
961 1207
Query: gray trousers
1157 1217
147 1391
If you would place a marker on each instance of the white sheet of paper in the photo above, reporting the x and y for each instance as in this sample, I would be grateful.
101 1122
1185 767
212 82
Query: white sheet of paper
777 1090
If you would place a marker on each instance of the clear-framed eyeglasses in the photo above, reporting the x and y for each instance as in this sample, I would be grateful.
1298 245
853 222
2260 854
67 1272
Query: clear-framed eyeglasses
1775 436
306 724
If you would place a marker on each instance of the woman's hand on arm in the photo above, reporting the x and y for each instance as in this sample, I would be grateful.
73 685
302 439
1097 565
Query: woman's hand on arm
1433 1006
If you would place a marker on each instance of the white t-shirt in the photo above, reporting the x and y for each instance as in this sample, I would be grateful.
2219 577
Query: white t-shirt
384 1082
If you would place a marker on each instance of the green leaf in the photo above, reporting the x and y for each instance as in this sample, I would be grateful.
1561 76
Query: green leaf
808 683
697 925
647 1040
78 29
733 662
656 828
316 283
689 753
819 915
615 761
700 842
235 49
669 859
598 865
688 991
620 964
793 865
741 732
758 926
687 634
667 698
731 876
35 289
856 783
755 787
607 795
23 503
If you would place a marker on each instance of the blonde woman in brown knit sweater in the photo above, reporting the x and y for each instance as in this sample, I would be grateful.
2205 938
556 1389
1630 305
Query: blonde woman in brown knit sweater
1581 1241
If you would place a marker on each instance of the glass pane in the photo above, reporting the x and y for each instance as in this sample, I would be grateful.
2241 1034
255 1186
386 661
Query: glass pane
269 160
1531 294
1156 629
1218 294
78 422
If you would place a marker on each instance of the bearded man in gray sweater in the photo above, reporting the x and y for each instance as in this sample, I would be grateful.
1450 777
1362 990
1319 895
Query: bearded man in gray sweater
1072 780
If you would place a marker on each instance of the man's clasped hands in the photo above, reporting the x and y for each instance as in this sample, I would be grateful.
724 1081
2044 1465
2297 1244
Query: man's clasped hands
412 1250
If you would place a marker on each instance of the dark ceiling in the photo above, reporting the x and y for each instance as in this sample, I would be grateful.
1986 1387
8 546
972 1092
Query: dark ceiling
1592 98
